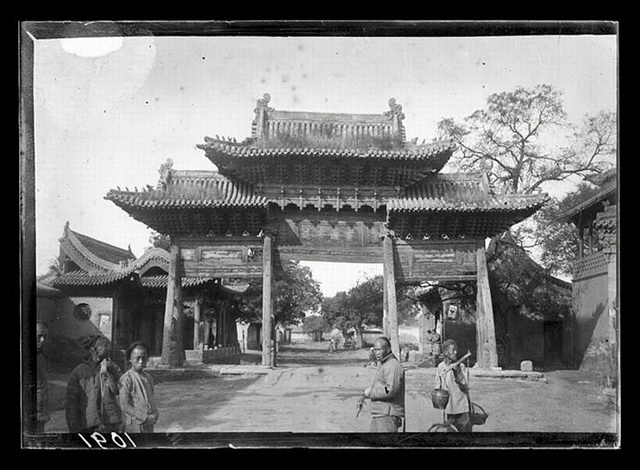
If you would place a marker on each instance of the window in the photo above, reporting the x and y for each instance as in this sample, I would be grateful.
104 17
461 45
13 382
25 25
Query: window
82 312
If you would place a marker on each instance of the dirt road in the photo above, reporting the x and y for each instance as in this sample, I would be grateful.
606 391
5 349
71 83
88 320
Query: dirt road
314 391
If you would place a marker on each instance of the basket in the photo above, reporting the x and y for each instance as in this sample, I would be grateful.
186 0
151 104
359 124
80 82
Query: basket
477 415
439 398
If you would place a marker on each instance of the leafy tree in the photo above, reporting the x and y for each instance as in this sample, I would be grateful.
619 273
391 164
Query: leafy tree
556 239
295 292
408 304
158 240
514 140
315 323
361 305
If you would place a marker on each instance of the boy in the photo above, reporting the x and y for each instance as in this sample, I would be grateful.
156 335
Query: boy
136 392
454 380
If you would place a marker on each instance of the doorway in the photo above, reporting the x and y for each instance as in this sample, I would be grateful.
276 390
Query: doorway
147 327
553 344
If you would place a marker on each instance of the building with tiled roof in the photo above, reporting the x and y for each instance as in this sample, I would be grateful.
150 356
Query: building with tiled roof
595 301
324 187
96 282
325 162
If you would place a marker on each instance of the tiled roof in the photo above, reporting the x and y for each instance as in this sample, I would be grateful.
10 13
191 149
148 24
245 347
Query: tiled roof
468 192
91 254
607 193
104 250
83 278
227 148
160 282
191 190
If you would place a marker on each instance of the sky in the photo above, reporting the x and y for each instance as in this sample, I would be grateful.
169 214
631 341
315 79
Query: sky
109 111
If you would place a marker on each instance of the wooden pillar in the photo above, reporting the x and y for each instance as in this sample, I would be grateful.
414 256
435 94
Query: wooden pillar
390 289
207 332
385 303
487 354
267 300
613 302
197 313
173 309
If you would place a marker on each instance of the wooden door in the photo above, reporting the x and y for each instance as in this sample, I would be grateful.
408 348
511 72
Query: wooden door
553 344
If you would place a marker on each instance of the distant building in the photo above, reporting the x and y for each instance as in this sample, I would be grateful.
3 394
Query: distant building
524 331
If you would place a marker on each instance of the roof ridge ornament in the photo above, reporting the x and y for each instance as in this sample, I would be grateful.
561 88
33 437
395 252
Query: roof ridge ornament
263 103
396 115
165 174
259 122
395 109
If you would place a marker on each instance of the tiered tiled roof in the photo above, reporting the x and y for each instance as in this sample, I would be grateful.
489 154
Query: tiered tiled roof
326 149
325 162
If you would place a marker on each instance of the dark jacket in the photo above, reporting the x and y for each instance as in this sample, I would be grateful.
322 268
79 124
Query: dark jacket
85 405
387 390
42 388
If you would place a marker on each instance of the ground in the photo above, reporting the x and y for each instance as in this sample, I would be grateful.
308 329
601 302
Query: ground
314 391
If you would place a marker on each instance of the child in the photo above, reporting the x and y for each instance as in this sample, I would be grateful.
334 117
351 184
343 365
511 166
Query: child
454 380
136 392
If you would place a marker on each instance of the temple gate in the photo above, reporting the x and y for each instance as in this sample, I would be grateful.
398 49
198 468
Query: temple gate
328 187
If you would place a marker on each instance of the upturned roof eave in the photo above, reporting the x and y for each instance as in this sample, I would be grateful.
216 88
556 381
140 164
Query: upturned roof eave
571 213
218 148
494 204
124 200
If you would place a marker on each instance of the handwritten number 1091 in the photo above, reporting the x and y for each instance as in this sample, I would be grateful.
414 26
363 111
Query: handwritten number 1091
115 438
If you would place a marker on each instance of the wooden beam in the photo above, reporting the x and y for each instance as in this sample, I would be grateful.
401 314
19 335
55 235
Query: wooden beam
173 308
487 353
390 289
267 299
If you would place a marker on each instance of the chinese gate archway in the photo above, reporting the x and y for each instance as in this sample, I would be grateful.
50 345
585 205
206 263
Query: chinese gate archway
328 187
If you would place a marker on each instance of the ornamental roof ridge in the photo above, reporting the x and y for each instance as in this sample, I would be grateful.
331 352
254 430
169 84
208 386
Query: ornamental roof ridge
89 252
190 188
270 124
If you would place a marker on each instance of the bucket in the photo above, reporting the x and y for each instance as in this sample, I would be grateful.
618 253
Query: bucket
440 398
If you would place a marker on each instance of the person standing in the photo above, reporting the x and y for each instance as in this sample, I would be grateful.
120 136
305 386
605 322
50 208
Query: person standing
137 392
387 391
455 381
91 400
42 378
